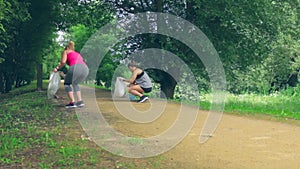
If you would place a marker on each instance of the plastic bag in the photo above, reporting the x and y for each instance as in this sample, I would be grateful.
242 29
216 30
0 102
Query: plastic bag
120 88
54 84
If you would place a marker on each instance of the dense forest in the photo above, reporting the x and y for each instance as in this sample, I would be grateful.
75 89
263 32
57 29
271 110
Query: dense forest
257 41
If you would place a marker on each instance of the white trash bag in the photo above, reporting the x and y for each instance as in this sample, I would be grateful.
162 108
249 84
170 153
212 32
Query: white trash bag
54 84
120 87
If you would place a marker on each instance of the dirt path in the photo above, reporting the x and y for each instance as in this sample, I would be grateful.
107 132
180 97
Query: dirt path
239 142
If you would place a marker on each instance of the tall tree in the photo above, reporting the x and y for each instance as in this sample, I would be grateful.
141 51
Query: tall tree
245 34
14 14
27 31
35 36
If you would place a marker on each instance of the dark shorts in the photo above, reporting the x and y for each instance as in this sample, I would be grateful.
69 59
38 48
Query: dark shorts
147 90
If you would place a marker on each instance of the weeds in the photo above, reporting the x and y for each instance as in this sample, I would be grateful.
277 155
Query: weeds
36 134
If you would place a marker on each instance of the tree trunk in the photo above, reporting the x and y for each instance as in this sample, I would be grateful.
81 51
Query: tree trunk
39 77
190 12
167 83
8 83
293 80
1 83
159 5
167 88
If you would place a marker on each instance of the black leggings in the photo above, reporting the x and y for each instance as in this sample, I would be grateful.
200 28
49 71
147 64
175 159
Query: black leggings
147 90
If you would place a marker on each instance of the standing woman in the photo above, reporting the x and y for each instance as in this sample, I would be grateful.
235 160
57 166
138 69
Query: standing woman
140 82
78 71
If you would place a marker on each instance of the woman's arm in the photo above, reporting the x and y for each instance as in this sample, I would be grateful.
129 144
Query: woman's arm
133 77
62 61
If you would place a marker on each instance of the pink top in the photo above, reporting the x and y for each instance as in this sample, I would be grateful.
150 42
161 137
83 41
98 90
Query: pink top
74 58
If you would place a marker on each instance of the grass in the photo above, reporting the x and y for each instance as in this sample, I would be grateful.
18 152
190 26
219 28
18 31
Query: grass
35 133
275 105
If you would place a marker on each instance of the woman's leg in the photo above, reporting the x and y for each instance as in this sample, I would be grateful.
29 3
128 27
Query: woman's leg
80 74
78 95
67 84
77 91
136 90
71 97
70 94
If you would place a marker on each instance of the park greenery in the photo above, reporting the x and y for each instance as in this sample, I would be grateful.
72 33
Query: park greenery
257 41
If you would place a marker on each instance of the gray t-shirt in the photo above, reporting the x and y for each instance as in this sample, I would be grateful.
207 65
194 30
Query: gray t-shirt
143 80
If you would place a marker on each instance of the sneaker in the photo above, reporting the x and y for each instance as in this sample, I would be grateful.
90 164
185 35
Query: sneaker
70 105
142 99
79 103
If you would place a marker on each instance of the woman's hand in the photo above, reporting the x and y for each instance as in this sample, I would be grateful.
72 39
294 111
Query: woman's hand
122 79
55 70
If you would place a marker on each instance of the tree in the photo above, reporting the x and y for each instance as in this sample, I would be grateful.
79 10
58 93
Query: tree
257 41
246 34
27 32
122 8
36 35
16 13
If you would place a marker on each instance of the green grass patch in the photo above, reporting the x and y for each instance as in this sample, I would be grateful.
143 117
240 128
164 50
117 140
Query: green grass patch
26 121
36 133
275 105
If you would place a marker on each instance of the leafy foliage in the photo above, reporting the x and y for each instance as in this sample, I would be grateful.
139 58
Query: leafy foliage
27 34
257 41
27 31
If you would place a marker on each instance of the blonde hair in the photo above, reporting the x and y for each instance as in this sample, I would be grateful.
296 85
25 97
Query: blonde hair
71 45
132 64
